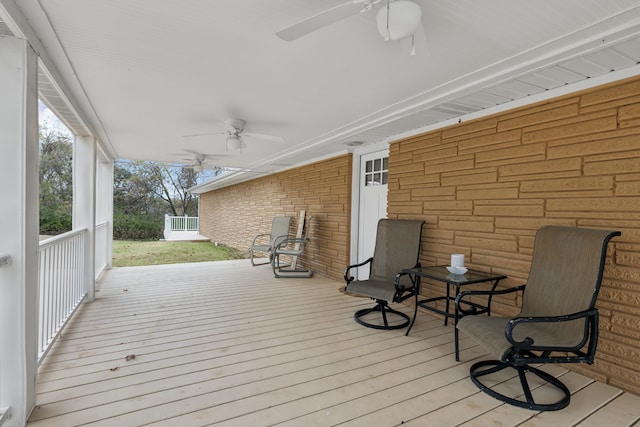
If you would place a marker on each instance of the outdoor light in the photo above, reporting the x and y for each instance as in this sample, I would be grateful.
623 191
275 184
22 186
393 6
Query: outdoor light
399 19
234 143
354 143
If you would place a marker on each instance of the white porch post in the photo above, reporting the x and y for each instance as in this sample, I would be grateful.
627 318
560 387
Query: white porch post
18 228
84 203
104 206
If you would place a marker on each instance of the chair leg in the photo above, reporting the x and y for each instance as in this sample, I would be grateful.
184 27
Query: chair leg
281 270
487 367
385 311
253 263
415 314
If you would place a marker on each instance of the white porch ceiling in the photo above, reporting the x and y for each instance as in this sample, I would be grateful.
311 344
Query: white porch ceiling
140 75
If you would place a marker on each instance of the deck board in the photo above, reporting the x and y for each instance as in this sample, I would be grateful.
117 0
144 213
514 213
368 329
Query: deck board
227 343
621 411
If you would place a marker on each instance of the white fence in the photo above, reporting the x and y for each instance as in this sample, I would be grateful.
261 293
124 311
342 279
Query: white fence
181 227
182 223
60 287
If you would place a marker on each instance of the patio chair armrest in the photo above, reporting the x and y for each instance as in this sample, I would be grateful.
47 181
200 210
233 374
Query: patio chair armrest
283 246
283 241
472 307
259 236
278 241
403 292
528 343
347 278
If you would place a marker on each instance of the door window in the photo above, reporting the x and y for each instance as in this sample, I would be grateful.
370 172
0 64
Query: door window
376 172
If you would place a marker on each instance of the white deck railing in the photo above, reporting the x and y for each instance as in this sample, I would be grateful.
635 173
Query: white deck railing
182 223
60 287
102 251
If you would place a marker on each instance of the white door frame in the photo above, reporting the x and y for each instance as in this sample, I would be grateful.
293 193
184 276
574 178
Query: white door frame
355 196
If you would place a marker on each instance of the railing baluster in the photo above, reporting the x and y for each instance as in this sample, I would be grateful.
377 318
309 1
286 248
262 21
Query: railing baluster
68 289
54 290
64 279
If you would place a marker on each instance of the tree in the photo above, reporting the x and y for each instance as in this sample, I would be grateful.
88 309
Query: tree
141 182
171 185
131 192
145 191
56 180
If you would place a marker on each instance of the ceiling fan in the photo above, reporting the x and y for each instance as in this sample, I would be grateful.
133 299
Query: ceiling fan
396 19
235 135
198 161
198 164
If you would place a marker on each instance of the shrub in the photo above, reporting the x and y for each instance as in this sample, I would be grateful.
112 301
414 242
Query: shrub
54 221
137 227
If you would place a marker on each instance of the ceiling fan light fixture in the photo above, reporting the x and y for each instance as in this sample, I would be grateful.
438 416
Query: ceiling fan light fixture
234 143
399 19
197 167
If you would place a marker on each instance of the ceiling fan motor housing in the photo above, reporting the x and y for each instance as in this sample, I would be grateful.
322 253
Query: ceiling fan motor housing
234 126
399 19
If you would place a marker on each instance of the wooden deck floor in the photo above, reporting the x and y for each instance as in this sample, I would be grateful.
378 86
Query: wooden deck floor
226 343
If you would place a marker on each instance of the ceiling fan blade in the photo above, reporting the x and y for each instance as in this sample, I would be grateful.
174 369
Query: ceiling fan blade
194 135
196 157
262 136
320 20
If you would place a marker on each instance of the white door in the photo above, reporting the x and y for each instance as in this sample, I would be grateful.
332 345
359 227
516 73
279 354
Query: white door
373 203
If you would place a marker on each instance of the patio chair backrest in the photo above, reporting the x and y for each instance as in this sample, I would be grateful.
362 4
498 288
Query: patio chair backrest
279 228
565 275
397 248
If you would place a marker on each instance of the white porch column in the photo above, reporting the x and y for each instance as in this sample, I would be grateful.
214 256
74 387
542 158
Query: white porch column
84 204
19 226
104 205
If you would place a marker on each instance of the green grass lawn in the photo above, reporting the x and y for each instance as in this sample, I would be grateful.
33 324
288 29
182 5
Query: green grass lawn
127 253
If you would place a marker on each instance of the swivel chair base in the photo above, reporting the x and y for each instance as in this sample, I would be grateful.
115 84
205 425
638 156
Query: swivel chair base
385 311
487 367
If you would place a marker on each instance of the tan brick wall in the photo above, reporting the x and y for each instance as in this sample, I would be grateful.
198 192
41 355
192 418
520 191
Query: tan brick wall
485 187
235 215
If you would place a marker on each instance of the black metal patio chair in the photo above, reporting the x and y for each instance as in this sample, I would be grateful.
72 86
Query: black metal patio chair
397 248
558 322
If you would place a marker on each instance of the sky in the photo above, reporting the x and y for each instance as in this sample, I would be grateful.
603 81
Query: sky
46 116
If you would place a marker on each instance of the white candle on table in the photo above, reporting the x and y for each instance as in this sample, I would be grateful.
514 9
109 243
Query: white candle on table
457 260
